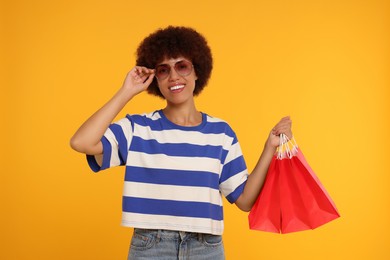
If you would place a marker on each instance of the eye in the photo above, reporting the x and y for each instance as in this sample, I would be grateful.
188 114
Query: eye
162 69
183 66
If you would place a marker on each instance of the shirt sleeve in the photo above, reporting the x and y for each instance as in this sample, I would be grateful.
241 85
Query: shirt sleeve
234 173
116 142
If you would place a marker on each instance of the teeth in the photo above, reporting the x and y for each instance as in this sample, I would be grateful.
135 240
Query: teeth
176 87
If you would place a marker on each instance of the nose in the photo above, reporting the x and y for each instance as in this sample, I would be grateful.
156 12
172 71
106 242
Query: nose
173 75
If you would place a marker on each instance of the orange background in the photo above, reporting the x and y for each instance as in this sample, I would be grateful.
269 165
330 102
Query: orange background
324 63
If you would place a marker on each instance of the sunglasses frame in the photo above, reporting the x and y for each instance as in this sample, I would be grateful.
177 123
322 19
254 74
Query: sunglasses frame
174 67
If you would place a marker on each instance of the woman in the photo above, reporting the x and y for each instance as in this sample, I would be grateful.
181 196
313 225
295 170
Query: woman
179 161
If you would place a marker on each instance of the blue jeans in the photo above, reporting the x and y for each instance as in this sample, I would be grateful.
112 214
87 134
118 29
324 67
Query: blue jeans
150 244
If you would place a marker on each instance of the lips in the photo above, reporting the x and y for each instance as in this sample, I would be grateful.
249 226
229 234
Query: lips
176 88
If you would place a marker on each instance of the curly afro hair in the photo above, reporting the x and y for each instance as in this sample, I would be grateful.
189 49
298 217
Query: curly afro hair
173 42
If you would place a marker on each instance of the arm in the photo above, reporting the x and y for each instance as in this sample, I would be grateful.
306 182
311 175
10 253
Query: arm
87 137
256 178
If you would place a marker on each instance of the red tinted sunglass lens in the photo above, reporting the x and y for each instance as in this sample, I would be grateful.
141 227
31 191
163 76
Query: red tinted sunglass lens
162 71
183 67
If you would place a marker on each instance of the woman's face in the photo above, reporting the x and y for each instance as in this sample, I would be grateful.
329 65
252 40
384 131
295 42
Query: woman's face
176 79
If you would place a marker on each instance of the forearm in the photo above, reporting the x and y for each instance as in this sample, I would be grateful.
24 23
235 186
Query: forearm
256 179
87 137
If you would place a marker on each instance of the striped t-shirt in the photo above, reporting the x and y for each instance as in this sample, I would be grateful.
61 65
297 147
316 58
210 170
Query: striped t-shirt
175 175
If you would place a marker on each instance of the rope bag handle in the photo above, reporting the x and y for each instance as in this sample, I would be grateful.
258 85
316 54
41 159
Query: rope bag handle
287 147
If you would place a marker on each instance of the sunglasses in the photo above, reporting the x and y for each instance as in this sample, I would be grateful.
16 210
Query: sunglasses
183 68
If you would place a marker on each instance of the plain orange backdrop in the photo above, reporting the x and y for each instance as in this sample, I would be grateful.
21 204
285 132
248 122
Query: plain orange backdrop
324 63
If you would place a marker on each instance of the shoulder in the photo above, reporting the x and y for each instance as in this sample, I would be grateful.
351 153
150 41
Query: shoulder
214 119
143 118
220 124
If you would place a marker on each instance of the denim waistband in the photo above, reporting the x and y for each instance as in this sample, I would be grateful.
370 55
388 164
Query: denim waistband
169 234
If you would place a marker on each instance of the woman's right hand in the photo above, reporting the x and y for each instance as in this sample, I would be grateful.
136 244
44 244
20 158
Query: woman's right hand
87 138
137 80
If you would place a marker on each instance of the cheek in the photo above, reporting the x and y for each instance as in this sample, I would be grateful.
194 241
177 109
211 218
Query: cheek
160 86
161 89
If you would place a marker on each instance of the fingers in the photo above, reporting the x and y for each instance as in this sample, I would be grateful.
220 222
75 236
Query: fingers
149 79
283 127
138 79
143 72
141 76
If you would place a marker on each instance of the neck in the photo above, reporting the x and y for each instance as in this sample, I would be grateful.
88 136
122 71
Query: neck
183 115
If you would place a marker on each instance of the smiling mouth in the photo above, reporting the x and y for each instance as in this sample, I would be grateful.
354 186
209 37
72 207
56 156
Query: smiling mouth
176 87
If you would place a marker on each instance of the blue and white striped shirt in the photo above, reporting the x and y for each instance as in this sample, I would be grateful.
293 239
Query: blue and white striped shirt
175 175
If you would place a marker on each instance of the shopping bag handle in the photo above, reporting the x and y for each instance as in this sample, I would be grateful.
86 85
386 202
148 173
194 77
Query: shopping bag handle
287 147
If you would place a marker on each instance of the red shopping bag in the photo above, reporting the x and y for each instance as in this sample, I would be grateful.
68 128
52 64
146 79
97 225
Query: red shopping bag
292 198
265 213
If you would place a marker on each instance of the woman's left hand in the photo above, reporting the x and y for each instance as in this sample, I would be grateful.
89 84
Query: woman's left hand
283 127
